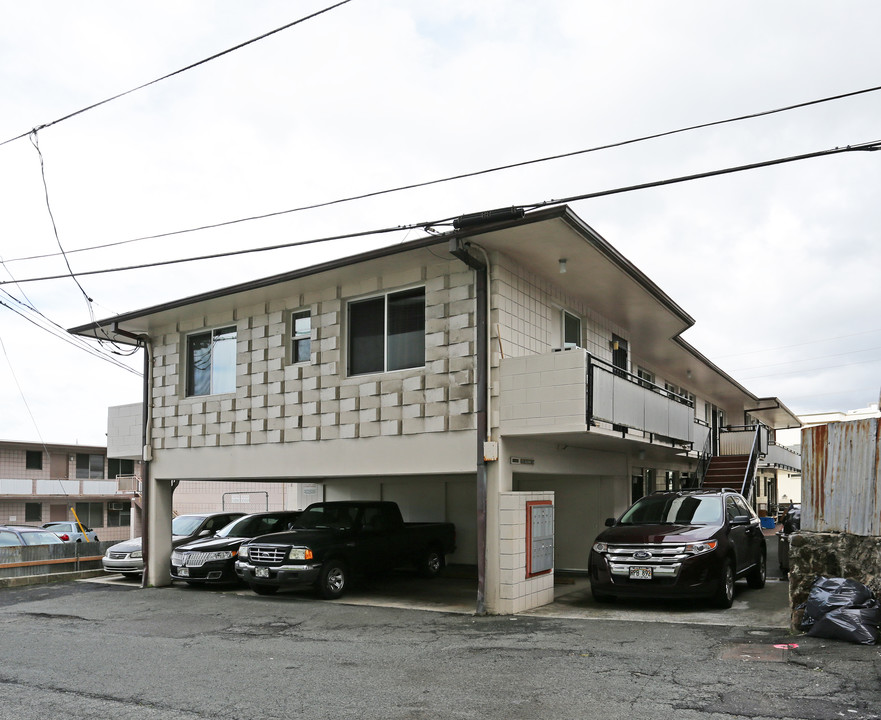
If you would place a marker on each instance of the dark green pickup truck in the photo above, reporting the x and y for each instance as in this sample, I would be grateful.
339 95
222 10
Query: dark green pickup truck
333 541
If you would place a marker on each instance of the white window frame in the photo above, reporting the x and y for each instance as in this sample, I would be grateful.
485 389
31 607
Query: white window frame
385 331
563 342
297 338
189 388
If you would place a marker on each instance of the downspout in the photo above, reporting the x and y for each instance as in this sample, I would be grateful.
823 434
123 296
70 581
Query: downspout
458 249
146 443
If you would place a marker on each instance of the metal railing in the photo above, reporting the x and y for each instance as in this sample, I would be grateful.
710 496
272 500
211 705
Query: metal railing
628 401
36 560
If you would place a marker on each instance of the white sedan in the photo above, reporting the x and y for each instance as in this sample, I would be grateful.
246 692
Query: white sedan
70 532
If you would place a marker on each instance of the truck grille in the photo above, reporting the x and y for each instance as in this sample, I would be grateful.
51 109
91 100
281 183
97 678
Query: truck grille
269 554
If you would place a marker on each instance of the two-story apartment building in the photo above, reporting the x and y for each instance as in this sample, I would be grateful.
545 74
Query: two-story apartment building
41 483
480 376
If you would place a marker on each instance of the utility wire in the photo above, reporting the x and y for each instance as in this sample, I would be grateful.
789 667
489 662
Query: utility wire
176 72
786 347
35 141
23 398
863 147
807 359
807 371
63 335
460 176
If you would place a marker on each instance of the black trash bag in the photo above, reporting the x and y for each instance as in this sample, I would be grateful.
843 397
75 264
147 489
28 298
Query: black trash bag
828 594
856 625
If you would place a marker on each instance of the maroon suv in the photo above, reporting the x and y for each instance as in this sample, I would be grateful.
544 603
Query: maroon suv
686 544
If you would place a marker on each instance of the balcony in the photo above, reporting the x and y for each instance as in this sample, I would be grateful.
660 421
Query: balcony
572 391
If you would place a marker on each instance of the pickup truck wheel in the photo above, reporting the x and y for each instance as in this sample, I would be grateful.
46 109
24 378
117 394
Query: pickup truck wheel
756 577
431 563
264 589
724 597
333 579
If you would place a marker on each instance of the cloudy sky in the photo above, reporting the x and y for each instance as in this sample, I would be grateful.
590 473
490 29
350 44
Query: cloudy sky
779 266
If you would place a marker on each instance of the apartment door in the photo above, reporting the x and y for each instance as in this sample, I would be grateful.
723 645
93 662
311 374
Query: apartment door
59 467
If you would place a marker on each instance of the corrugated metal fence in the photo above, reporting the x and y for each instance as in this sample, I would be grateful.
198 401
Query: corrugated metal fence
16 562
841 489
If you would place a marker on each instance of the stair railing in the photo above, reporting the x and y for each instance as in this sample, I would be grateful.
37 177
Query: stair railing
703 462
748 477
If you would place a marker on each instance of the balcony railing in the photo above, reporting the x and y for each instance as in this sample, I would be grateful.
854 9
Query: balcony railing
782 457
573 391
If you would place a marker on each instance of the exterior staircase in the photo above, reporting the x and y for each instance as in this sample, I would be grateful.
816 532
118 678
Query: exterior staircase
727 471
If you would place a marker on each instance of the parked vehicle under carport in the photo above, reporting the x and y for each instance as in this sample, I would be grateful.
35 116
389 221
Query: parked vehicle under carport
127 557
212 559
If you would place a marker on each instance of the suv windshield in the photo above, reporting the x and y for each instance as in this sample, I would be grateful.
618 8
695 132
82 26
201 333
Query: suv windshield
675 510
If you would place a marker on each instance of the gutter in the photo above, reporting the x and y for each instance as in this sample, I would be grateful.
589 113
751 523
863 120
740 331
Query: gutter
458 249
146 443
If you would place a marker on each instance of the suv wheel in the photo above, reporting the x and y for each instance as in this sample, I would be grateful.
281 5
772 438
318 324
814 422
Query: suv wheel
724 597
755 578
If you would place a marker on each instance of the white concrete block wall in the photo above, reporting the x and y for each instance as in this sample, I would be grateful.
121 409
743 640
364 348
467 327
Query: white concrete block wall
276 401
517 592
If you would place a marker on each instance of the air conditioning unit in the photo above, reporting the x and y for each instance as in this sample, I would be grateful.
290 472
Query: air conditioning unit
115 506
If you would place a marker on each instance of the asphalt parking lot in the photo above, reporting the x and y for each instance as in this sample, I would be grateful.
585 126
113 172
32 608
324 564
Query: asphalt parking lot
107 648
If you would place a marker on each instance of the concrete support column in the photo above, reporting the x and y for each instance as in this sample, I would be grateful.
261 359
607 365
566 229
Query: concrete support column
158 533
499 479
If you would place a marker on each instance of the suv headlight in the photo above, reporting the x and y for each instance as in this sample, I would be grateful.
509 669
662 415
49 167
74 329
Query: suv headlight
300 554
701 547
600 547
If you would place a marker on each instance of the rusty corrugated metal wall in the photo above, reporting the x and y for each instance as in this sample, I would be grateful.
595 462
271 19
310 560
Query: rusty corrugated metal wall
841 489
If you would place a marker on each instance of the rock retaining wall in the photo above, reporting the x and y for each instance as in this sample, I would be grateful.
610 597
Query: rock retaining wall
831 555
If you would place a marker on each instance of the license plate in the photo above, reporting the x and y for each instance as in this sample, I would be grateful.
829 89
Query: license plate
183 572
261 572
640 573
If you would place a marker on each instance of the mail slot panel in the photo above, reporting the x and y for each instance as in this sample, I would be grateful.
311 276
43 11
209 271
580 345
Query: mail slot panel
539 537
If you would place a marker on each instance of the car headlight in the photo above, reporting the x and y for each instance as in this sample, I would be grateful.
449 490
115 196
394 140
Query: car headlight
137 554
300 554
701 547
243 552
220 555
601 547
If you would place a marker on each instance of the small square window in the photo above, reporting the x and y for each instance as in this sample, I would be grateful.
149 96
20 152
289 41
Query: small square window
33 512
34 460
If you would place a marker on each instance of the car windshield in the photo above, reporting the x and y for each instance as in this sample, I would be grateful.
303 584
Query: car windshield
249 527
39 538
338 517
674 510
185 524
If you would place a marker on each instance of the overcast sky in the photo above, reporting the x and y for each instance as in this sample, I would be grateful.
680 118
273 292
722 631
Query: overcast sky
778 266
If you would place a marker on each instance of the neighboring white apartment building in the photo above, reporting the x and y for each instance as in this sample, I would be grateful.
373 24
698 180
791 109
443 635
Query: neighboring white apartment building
789 488
41 483
471 377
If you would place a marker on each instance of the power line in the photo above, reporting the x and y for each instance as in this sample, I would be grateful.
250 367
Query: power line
812 370
176 72
862 147
808 359
460 176
63 335
786 347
